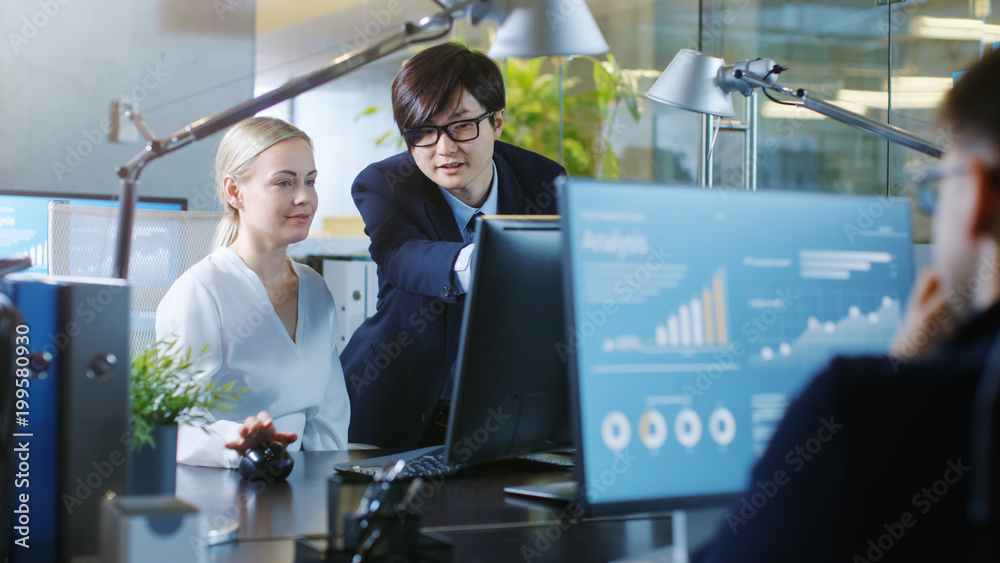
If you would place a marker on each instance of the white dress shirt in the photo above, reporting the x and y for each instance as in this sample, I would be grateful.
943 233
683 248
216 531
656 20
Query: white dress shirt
463 213
221 302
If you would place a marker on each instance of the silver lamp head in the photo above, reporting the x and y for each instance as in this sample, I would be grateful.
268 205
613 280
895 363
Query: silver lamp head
535 28
692 81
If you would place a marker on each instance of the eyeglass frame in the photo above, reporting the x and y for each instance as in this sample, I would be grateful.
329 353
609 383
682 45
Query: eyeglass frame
929 185
446 131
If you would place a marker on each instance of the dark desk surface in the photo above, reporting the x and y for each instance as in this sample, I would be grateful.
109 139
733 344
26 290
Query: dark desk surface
471 509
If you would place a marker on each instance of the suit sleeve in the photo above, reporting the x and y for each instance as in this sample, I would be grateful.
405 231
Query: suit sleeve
792 504
407 257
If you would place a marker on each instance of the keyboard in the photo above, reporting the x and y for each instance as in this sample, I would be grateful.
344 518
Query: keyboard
425 462
429 462
556 459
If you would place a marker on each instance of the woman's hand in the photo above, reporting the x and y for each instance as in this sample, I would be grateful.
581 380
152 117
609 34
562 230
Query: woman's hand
257 430
929 318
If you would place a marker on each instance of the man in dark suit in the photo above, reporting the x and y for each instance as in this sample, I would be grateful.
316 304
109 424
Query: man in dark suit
873 461
419 209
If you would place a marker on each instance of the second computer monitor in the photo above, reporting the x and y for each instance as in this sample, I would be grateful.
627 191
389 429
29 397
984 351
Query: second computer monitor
511 393
701 314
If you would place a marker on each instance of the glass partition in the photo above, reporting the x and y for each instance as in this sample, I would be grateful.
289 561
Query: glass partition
890 61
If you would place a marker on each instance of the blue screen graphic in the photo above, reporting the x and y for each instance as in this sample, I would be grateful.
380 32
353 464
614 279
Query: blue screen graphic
24 221
698 315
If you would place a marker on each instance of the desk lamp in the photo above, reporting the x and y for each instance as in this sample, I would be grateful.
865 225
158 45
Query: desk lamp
562 20
702 83
549 28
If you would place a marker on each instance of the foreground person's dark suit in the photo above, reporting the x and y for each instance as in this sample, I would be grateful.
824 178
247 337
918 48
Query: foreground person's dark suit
892 484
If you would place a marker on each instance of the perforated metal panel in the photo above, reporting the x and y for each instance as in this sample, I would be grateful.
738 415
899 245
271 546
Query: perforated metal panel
164 245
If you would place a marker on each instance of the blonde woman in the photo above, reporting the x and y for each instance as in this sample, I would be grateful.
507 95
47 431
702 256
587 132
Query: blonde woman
269 322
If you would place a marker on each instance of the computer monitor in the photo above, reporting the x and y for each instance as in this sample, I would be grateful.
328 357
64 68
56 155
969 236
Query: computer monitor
698 315
24 219
510 395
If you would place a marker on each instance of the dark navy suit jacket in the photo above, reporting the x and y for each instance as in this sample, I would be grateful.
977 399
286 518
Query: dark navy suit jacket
398 363
870 463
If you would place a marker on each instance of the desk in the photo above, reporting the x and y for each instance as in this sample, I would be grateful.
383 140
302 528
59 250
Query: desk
471 509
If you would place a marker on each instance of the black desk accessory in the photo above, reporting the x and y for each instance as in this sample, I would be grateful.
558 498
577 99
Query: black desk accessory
11 265
384 522
268 462
384 527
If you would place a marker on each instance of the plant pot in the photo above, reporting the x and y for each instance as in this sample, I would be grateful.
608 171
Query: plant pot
154 470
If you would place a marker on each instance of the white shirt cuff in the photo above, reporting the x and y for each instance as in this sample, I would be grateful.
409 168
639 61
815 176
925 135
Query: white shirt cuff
462 270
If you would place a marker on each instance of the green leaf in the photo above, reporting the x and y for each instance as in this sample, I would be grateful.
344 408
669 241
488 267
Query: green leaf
164 389
610 168
382 138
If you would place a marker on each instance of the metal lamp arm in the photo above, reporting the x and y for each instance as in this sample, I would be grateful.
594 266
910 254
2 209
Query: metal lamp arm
884 130
427 29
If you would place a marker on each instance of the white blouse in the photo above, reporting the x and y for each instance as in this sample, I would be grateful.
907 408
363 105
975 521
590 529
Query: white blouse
221 302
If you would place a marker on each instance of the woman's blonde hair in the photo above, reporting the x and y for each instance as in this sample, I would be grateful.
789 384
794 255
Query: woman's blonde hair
237 152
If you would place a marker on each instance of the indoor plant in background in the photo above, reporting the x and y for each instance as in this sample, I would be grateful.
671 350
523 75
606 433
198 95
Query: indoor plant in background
589 113
164 392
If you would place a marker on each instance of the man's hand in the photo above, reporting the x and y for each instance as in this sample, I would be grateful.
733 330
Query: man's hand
257 430
929 318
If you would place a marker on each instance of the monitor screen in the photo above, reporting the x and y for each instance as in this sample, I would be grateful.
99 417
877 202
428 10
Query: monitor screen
511 392
24 218
698 315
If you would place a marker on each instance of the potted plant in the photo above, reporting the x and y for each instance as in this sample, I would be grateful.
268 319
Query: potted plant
164 392
590 113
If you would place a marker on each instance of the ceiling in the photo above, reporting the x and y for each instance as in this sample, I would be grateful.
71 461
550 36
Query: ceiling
272 14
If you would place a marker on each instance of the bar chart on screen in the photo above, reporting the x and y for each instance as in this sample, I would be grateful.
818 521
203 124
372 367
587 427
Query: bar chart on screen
700 316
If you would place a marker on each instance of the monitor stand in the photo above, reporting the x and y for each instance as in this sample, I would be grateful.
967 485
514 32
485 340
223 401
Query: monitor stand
562 490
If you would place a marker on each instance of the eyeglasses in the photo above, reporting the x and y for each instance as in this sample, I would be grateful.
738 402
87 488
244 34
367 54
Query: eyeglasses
458 131
929 184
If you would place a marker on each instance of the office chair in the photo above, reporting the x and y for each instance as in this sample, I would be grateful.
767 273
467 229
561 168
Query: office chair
984 488
164 245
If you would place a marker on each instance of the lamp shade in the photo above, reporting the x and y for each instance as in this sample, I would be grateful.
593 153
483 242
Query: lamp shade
691 82
535 28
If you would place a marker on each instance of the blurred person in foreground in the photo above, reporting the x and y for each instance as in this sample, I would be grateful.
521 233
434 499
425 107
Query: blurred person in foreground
872 461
